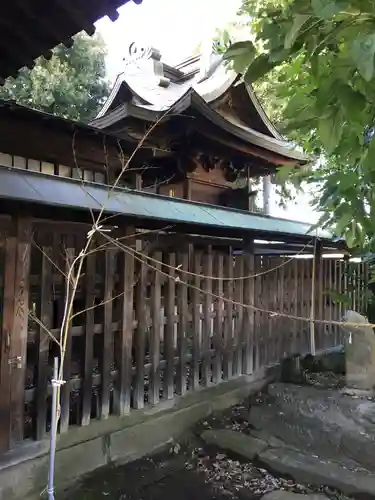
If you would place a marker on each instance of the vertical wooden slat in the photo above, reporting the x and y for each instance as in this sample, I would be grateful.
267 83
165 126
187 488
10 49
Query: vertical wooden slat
280 321
66 388
196 309
331 338
273 322
46 311
168 389
319 301
19 332
183 314
122 394
207 310
248 323
6 332
295 298
264 330
302 310
238 292
259 266
218 322
140 338
155 331
108 332
228 320
90 281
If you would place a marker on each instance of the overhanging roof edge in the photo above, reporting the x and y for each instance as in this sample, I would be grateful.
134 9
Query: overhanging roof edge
50 190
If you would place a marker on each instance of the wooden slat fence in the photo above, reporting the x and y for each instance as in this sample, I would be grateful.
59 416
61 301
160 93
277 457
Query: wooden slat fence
144 333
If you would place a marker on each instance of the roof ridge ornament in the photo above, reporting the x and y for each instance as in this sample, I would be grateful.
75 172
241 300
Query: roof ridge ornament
138 52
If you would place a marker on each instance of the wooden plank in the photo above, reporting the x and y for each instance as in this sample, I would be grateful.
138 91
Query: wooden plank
154 388
228 319
196 306
90 278
46 312
294 297
207 320
107 356
182 327
280 321
6 331
18 340
66 388
140 338
265 337
238 294
218 321
319 327
169 306
249 300
122 393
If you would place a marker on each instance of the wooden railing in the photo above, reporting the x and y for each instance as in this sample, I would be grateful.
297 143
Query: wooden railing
145 330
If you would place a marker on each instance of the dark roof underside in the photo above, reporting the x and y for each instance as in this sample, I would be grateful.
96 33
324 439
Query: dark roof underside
30 29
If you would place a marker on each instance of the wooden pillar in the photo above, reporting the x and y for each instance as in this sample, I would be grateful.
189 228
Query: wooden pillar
248 323
6 330
122 393
187 189
14 333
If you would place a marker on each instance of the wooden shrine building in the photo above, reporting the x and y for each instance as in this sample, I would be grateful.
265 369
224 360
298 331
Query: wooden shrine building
182 288
208 129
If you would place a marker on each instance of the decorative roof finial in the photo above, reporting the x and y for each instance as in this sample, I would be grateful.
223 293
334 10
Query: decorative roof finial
141 52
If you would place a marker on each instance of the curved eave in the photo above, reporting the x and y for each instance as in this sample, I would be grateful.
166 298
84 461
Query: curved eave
195 101
262 114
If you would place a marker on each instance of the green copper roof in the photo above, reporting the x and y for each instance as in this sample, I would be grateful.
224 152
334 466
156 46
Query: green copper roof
61 192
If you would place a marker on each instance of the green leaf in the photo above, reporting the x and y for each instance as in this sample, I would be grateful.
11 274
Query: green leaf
326 8
343 223
369 160
240 49
292 35
283 173
352 100
363 51
330 129
258 68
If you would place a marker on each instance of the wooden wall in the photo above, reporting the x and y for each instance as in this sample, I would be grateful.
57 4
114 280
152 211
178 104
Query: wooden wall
140 334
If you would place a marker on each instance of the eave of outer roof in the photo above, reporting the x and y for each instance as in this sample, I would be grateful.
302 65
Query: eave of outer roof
192 99
26 186
31 29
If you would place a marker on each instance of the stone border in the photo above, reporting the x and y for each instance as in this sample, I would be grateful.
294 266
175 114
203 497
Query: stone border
23 472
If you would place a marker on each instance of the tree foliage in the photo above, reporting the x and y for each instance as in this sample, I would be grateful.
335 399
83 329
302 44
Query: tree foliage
71 84
321 55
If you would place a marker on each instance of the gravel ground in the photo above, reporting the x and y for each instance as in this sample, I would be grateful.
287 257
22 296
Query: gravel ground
196 471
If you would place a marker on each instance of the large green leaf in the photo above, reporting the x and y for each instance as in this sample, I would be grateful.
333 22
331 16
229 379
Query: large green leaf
363 50
258 68
293 33
327 8
343 223
330 129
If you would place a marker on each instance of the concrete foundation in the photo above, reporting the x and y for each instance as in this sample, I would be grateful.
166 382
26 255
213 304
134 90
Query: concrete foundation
23 471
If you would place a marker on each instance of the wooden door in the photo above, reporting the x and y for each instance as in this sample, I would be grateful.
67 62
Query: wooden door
15 262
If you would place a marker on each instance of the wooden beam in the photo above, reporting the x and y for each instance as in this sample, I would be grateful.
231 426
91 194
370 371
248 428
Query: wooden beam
9 276
18 339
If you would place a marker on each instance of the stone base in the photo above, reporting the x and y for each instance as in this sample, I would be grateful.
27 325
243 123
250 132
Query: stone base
23 471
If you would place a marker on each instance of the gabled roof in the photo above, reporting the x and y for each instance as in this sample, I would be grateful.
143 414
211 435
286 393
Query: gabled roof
147 89
30 29
191 99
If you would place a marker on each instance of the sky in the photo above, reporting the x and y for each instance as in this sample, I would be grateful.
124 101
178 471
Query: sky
176 28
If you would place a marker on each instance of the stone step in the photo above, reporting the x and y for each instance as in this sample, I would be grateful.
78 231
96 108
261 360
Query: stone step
315 471
236 442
